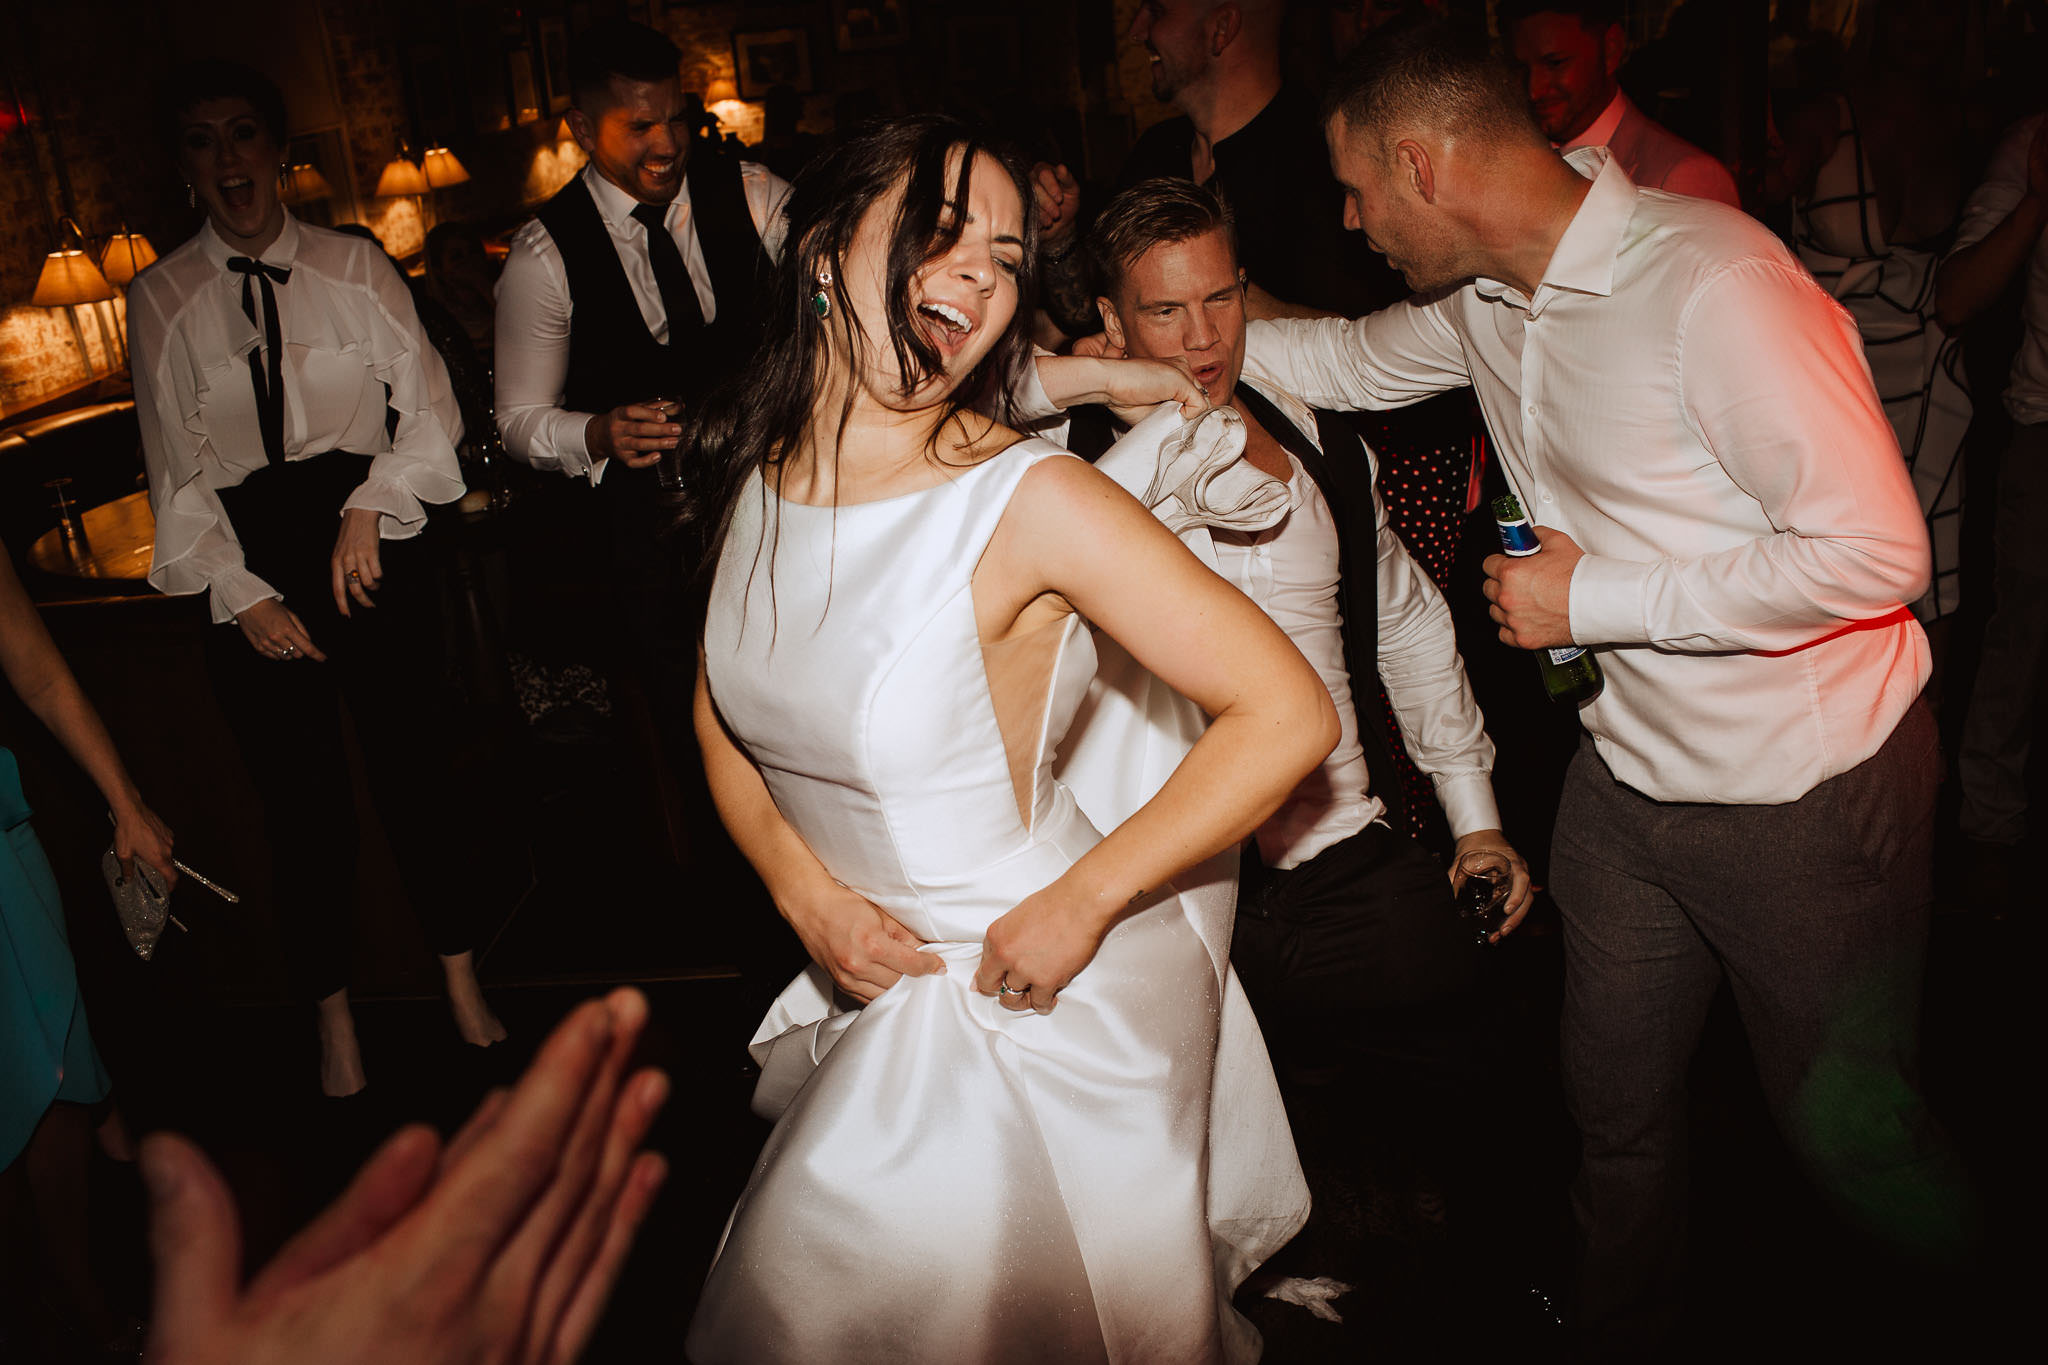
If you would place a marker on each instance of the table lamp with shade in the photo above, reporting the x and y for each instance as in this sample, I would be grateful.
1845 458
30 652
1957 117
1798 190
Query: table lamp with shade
68 279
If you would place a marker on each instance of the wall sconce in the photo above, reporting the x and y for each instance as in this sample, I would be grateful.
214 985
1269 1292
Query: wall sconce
441 169
401 177
302 184
125 256
68 279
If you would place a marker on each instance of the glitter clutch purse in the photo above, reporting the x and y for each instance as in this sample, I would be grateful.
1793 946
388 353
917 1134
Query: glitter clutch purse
142 901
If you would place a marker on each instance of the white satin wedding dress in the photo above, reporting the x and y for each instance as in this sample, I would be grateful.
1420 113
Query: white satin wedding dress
949 1181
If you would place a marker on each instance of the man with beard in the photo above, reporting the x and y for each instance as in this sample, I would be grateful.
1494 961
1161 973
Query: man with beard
1571 50
1724 517
633 290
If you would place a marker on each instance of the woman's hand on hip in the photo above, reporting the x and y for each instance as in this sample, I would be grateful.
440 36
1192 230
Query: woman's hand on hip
864 948
357 570
276 632
1031 954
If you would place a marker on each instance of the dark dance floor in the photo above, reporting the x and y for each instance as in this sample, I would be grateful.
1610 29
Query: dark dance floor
201 1040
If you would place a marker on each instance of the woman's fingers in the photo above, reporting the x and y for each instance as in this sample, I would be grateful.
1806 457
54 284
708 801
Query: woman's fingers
196 1243
472 1132
639 1100
301 639
465 1221
586 1306
383 1191
520 1264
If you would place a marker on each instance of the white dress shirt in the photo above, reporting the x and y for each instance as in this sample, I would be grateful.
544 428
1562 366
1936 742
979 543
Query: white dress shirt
534 307
1682 399
350 331
1291 570
2005 184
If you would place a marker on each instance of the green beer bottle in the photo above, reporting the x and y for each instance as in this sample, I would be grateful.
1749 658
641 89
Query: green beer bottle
1571 675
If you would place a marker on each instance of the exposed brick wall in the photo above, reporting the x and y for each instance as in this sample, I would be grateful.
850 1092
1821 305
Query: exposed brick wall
88 106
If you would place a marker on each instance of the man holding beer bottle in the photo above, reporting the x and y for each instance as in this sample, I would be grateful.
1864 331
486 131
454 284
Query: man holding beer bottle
1724 520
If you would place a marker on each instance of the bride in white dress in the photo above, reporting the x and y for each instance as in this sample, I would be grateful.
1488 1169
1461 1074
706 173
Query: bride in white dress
995 1088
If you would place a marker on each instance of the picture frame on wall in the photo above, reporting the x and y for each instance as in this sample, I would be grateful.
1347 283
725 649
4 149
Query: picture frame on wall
863 25
554 62
767 58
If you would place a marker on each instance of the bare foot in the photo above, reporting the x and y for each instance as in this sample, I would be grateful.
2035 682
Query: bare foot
473 1018
341 1061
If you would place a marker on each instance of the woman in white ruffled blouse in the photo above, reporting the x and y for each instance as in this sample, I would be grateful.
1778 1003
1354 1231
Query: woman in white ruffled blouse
289 482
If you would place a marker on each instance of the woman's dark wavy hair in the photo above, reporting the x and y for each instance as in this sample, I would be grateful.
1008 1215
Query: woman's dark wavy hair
767 409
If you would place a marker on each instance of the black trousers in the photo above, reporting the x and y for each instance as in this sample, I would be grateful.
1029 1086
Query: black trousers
1357 958
1815 912
384 663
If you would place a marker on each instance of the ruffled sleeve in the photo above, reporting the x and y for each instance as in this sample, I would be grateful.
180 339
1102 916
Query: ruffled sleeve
421 466
196 549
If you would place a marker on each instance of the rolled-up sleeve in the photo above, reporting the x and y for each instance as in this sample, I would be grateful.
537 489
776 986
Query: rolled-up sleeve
421 467
1397 356
1773 381
195 548
532 356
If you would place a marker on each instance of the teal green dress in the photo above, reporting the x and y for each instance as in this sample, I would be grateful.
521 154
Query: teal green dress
46 1054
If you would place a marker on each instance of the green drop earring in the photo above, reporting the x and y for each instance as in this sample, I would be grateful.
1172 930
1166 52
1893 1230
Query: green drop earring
821 302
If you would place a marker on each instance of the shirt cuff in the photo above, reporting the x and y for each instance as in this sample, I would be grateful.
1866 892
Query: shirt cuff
234 591
1028 400
401 514
1607 597
1467 799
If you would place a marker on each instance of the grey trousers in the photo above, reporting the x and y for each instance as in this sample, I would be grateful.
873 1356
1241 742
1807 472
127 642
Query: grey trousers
1816 914
1999 729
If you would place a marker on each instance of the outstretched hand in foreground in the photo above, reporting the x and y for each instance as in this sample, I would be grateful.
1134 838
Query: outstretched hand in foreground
502 1245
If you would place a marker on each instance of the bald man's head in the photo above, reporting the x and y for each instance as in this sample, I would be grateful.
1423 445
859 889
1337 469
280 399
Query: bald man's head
1197 42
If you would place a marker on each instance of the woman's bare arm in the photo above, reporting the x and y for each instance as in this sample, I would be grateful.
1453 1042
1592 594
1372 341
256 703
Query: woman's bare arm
1072 532
851 937
45 684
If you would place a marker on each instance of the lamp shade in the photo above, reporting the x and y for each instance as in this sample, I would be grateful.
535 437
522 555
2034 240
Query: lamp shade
401 177
720 89
442 169
302 184
125 256
70 277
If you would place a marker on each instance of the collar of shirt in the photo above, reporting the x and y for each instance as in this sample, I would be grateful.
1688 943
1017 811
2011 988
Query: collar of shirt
218 253
1583 262
1601 131
616 207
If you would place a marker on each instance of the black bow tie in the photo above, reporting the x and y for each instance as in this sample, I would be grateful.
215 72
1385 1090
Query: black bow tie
269 388
244 265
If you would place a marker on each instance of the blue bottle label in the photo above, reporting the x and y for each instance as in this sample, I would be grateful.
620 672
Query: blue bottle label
1518 537
1565 655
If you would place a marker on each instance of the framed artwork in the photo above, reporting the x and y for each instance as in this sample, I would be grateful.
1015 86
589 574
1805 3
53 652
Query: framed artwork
554 62
772 57
859 25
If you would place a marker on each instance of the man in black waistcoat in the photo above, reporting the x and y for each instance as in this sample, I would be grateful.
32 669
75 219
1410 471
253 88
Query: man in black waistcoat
634 290
1337 914
1348 939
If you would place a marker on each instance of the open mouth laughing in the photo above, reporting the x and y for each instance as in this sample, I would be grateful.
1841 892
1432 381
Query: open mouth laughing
946 326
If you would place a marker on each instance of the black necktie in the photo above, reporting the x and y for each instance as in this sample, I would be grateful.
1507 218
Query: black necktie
270 389
671 276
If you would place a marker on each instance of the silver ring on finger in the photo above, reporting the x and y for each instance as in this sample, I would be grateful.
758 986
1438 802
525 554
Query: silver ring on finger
286 651
1003 987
